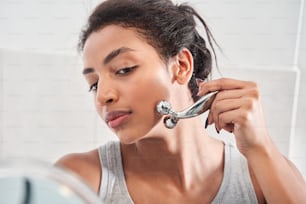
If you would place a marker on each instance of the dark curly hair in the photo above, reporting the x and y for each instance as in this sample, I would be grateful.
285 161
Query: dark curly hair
166 26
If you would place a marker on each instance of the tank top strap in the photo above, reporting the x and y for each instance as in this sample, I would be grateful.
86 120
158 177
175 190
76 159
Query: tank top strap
236 186
113 188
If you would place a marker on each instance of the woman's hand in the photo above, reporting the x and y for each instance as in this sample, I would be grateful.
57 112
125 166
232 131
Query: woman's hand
237 108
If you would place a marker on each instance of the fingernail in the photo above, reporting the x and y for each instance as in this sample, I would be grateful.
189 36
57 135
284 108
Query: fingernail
199 81
217 131
206 123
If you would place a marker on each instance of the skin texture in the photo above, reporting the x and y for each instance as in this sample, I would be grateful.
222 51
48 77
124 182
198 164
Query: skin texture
182 165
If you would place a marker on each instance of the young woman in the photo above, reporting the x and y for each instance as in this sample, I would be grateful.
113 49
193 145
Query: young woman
139 52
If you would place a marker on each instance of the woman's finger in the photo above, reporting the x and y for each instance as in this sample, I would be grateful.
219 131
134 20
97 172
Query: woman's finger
222 84
223 106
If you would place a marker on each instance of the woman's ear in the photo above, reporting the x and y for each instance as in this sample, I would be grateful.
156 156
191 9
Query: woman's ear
183 66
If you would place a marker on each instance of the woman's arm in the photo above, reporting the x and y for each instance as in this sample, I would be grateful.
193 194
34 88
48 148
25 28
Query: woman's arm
237 108
278 178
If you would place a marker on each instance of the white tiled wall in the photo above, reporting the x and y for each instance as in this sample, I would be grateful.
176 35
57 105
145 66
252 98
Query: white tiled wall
298 150
42 25
253 32
298 147
46 108
1 105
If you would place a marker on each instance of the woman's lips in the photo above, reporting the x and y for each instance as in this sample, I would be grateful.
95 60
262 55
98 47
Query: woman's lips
116 118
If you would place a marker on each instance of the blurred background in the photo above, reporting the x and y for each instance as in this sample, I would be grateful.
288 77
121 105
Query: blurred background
46 110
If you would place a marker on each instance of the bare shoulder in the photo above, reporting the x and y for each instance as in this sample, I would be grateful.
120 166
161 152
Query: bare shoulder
85 165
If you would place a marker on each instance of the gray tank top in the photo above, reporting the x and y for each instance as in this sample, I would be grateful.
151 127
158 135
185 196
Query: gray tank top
236 186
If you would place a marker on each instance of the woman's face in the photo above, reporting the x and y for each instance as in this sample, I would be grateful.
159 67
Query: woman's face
127 78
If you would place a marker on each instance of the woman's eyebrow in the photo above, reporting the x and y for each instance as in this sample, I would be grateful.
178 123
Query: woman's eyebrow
115 53
88 70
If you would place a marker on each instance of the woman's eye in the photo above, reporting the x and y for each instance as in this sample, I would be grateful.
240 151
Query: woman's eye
126 70
93 87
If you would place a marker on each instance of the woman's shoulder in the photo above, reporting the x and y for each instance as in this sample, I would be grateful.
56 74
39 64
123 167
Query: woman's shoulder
85 165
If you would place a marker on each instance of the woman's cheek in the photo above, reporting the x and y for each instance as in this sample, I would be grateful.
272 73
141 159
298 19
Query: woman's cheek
151 91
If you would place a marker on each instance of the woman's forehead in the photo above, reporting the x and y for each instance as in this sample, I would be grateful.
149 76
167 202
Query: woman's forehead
114 37
113 41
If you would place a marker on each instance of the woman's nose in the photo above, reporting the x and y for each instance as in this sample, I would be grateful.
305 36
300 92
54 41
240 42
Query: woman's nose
106 94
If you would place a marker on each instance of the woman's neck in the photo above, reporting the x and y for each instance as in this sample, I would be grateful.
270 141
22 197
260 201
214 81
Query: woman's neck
185 154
